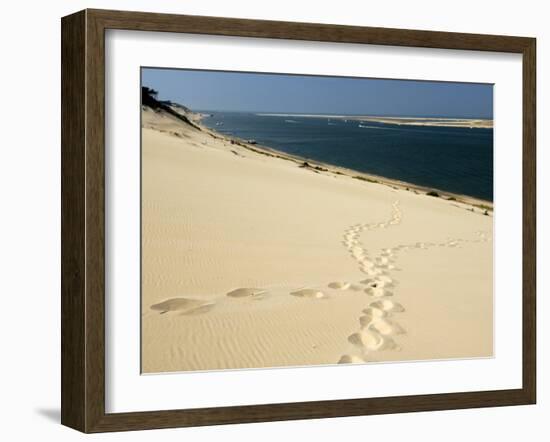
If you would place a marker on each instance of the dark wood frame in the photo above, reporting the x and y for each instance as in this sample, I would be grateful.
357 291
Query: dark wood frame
83 217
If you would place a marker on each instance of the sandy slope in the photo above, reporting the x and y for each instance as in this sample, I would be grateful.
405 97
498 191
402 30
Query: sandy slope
253 261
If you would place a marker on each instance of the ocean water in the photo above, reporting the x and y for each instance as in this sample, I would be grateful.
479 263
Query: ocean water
457 160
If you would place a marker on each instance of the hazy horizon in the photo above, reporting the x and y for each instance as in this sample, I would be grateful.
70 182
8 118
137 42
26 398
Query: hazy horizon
221 91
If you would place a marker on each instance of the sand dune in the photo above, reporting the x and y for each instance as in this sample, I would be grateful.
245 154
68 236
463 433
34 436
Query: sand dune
252 261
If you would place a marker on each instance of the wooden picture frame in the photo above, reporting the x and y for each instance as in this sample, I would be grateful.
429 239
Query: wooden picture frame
83 220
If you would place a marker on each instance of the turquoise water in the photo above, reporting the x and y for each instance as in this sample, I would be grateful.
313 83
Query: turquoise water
457 160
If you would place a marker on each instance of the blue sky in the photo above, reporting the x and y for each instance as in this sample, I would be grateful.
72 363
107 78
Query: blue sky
253 92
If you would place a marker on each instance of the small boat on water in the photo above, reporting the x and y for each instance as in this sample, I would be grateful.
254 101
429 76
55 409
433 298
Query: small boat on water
219 123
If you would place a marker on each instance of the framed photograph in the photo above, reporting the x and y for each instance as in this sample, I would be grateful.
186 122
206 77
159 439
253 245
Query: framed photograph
268 221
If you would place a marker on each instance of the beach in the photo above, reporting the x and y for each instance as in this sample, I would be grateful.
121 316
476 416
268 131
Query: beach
252 258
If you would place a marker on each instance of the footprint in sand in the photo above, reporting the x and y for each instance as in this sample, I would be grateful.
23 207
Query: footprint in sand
309 293
388 305
370 340
366 264
371 271
367 339
247 293
374 312
378 292
183 306
382 284
383 326
339 285
385 279
351 359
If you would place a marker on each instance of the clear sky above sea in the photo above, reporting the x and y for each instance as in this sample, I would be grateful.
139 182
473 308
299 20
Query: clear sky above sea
278 93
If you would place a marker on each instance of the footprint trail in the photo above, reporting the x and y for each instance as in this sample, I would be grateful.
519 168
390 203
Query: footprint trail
377 324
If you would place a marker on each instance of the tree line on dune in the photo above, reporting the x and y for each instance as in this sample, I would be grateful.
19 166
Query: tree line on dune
149 98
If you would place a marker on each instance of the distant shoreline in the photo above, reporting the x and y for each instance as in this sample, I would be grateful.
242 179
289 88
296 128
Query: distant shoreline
319 166
479 123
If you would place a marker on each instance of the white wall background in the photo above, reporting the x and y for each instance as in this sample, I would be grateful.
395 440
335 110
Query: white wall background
30 216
